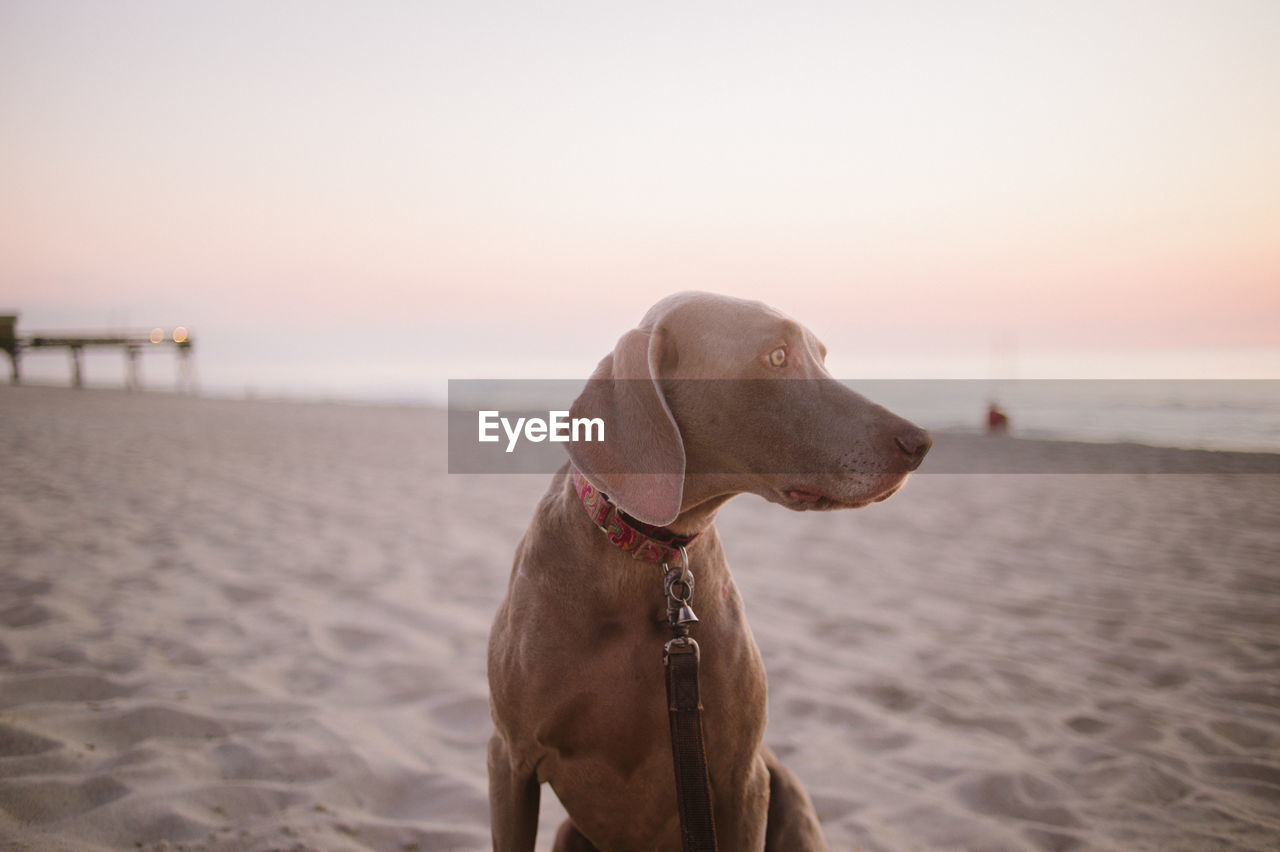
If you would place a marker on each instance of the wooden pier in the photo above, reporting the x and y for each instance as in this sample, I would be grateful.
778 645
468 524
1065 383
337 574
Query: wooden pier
133 344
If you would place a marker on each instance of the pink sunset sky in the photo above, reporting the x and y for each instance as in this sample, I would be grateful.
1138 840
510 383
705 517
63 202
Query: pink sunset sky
346 195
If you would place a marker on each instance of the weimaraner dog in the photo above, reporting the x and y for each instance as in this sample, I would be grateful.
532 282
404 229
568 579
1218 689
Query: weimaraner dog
575 655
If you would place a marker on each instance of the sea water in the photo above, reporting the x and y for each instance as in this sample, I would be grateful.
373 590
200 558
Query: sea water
1193 414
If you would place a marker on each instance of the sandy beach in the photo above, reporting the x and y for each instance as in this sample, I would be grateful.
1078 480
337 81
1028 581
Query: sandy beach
255 625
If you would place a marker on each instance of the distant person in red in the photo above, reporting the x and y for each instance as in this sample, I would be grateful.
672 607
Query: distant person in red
997 420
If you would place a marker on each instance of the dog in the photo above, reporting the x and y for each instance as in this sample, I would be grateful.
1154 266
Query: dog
710 397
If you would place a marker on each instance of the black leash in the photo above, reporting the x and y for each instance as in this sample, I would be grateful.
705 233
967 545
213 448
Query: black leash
681 657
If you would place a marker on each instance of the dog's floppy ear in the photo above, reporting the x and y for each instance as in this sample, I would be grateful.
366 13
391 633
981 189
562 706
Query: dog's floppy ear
640 463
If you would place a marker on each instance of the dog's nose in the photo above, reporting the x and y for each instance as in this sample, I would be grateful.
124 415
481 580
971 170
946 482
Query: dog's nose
914 443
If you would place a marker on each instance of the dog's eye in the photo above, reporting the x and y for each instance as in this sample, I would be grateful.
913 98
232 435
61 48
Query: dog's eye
778 357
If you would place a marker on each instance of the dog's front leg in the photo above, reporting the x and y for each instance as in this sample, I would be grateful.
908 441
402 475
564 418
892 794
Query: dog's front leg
513 801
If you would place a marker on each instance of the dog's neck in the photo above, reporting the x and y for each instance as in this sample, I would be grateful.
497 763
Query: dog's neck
628 534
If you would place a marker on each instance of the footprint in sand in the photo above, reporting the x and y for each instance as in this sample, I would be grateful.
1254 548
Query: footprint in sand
1014 795
1087 725
1005 727
1246 736
889 696
50 801
66 687
24 614
124 730
17 587
240 595
1256 779
15 742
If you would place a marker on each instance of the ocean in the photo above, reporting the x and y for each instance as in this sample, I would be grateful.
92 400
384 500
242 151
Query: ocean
1191 414
1217 414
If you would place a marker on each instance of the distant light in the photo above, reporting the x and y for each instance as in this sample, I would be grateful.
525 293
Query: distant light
180 335
157 335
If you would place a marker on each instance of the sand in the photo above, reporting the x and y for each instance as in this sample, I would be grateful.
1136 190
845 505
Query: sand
231 625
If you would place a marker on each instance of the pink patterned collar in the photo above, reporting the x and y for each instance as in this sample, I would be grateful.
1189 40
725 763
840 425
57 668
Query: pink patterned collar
641 540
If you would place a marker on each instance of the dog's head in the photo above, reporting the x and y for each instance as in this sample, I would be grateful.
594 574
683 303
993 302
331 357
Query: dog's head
735 392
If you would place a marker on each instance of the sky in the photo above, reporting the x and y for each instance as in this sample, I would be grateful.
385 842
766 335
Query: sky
371 198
